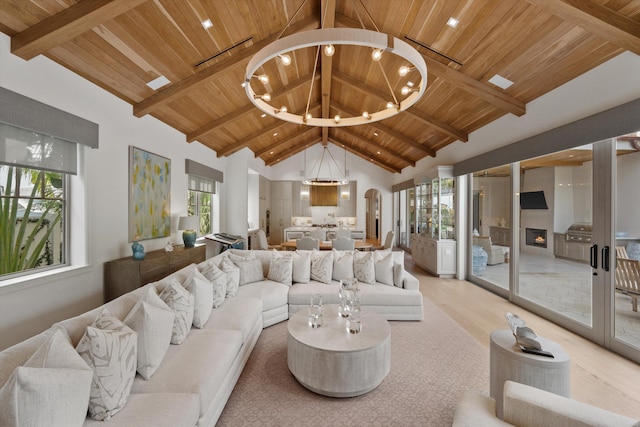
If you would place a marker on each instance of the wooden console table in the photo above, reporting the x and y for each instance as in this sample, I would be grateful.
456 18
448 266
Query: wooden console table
126 274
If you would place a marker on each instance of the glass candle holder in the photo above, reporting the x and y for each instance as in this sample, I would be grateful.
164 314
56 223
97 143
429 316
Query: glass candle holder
315 316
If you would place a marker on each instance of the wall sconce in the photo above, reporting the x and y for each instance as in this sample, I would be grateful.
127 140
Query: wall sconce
345 194
304 192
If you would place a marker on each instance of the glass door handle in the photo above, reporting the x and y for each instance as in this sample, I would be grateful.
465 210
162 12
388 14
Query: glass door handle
593 256
605 258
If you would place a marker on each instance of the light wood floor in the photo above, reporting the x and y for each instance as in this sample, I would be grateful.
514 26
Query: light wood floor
598 376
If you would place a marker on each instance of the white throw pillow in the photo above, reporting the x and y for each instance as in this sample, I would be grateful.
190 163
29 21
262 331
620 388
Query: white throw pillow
398 274
280 269
363 267
342 265
301 261
383 262
202 292
218 280
250 270
181 302
321 266
110 348
51 389
233 276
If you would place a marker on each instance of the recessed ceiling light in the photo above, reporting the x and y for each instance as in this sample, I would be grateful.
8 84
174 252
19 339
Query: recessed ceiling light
375 134
270 152
206 24
263 115
500 81
157 83
275 134
453 22
378 153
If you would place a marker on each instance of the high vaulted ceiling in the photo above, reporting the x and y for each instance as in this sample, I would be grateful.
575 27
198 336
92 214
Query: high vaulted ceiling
121 45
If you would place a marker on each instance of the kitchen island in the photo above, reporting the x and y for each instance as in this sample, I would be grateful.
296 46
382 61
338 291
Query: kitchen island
293 233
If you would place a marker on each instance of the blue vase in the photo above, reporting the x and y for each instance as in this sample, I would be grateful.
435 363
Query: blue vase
138 251
189 238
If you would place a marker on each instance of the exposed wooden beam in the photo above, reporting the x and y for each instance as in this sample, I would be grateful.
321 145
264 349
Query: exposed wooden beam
391 132
377 146
290 152
241 143
597 19
244 110
192 82
494 96
432 121
67 24
304 131
364 154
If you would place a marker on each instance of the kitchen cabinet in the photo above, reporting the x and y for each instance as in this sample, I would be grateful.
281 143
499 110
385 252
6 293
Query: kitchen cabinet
301 205
437 256
281 210
347 197
501 235
575 251
264 203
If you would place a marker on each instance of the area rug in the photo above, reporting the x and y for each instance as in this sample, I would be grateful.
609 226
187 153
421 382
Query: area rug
433 363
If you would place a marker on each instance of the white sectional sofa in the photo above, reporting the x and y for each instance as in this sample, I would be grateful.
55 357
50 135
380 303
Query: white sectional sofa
188 383
526 406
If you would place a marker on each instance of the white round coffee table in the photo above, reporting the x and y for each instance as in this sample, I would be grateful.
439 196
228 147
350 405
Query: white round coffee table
331 361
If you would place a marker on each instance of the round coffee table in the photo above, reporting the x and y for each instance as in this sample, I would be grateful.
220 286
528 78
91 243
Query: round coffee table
331 361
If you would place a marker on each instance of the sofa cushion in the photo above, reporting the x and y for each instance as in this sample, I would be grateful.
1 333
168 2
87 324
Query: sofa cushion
52 388
321 266
168 409
301 261
300 293
398 274
218 280
342 265
202 292
383 267
280 269
240 314
109 347
153 320
181 302
364 267
199 366
272 294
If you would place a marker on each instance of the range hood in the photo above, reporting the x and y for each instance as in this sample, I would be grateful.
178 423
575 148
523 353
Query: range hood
323 195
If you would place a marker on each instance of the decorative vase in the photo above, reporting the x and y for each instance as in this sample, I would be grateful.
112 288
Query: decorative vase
138 251
189 238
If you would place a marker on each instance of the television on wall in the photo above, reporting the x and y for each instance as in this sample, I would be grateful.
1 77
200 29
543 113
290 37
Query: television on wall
533 200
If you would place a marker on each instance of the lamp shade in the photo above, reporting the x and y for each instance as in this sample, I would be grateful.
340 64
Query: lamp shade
188 223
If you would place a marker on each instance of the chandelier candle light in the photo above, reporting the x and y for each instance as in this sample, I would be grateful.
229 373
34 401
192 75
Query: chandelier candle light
189 224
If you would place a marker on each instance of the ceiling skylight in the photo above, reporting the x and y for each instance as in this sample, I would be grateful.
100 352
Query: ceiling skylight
157 83
500 81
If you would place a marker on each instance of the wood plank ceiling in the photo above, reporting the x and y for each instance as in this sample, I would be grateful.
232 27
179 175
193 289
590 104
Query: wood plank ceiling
120 45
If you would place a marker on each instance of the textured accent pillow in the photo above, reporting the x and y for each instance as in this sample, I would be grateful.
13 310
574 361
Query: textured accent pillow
152 319
342 265
110 348
202 292
181 302
233 276
383 264
363 267
301 266
218 279
280 269
250 270
321 266
398 274
51 389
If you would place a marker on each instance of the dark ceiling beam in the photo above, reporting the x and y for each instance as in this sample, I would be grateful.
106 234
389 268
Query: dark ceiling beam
364 154
67 24
374 145
384 97
244 110
490 94
182 87
597 19
292 151
287 141
387 130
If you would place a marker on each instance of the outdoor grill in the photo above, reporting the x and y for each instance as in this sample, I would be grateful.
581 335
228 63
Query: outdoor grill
579 232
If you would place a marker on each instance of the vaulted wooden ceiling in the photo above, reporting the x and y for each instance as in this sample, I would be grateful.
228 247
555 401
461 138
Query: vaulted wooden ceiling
121 45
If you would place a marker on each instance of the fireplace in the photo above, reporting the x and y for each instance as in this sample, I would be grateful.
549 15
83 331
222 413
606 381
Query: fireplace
536 237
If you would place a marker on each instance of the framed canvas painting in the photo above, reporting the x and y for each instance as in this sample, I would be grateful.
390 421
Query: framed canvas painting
149 195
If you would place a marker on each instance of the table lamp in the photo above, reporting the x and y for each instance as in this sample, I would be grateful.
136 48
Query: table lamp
190 225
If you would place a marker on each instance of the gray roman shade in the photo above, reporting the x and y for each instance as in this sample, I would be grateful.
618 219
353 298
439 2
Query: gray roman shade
37 136
202 178
403 186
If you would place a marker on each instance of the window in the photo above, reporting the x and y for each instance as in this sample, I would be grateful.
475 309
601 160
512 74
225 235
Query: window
33 212
200 203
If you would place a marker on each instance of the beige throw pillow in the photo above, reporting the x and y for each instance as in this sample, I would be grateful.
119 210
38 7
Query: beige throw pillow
218 280
342 265
51 389
109 347
301 266
321 266
233 276
363 267
181 302
280 269
383 264
202 292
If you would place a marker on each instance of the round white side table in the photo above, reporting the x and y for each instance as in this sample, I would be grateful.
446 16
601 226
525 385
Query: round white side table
509 362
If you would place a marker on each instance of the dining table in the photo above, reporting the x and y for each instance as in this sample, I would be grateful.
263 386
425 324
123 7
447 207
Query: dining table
325 245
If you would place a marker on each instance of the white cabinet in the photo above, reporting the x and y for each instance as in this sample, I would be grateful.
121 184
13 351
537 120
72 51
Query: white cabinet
300 199
347 196
264 203
436 256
